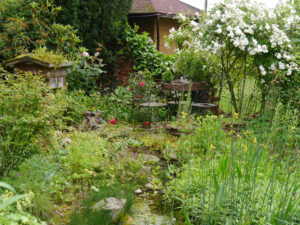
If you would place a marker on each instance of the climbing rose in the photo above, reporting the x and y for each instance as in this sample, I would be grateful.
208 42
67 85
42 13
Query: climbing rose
142 84
85 54
146 123
113 121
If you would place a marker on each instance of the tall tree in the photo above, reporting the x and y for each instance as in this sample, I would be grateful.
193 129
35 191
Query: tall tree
97 21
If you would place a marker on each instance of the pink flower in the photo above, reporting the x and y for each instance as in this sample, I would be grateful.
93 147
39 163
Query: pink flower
142 84
113 121
128 89
146 123
85 54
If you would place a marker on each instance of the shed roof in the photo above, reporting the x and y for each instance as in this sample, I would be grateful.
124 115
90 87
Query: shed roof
28 59
162 7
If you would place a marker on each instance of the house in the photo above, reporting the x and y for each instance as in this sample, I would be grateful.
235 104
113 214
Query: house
156 18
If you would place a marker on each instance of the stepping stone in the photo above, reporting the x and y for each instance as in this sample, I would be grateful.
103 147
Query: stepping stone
112 204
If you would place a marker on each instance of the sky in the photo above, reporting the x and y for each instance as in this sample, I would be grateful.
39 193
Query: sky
200 3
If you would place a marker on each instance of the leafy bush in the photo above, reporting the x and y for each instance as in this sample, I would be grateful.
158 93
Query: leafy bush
96 21
140 49
100 24
34 22
27 112
86 73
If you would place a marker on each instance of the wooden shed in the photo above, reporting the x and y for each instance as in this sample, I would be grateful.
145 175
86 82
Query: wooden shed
55 74
156 18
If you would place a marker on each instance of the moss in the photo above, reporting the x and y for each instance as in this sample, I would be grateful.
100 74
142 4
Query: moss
44 55
150 7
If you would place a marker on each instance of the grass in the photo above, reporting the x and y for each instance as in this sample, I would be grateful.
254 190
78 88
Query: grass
241 178
251 101
86 216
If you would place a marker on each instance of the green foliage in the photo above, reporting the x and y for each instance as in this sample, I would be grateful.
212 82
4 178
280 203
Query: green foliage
114 104
86 216
245 179
27 111
46 56
72 107
194 66
34 22
86 73
11 215
100 25
97 21
140 49
168 76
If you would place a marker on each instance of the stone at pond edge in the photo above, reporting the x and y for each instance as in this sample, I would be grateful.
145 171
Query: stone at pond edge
66 141
150 158
127 220
113 205
92 120
138 191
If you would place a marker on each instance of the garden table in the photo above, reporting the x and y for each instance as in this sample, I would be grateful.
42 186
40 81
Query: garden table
152 105
203 106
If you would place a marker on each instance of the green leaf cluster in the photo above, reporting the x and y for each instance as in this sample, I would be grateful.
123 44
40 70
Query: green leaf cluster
26 24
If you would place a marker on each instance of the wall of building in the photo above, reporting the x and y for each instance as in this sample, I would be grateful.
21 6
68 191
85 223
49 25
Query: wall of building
149 25
165 24
145 23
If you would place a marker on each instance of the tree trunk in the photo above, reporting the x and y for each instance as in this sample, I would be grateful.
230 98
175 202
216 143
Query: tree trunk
233 98
263 101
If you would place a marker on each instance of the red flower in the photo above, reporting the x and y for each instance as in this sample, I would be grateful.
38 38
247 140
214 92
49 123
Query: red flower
113 121
128 89
142 84
146 123
138 96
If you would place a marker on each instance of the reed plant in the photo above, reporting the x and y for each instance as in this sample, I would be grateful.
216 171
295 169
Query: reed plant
239 178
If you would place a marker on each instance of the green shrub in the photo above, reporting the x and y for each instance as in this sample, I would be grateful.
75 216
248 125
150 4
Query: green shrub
27 112
140 49
86 73
34 22
73 105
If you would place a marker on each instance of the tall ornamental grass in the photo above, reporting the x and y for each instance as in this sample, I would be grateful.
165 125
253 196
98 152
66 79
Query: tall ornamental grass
241 178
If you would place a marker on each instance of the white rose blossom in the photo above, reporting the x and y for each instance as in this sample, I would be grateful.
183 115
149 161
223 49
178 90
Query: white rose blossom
248 28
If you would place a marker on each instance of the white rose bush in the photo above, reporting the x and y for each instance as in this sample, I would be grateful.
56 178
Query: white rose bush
241 39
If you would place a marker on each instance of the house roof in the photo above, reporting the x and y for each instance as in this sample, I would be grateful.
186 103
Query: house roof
161 7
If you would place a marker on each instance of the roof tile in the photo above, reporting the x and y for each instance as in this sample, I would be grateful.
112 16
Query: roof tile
161 6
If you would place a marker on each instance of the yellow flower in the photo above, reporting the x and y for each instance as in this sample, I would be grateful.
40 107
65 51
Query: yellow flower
254 140
293 128
245 147
235 115
212 147
184 115
276 155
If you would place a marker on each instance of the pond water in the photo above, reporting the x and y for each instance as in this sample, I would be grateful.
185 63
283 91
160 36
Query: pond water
146 213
